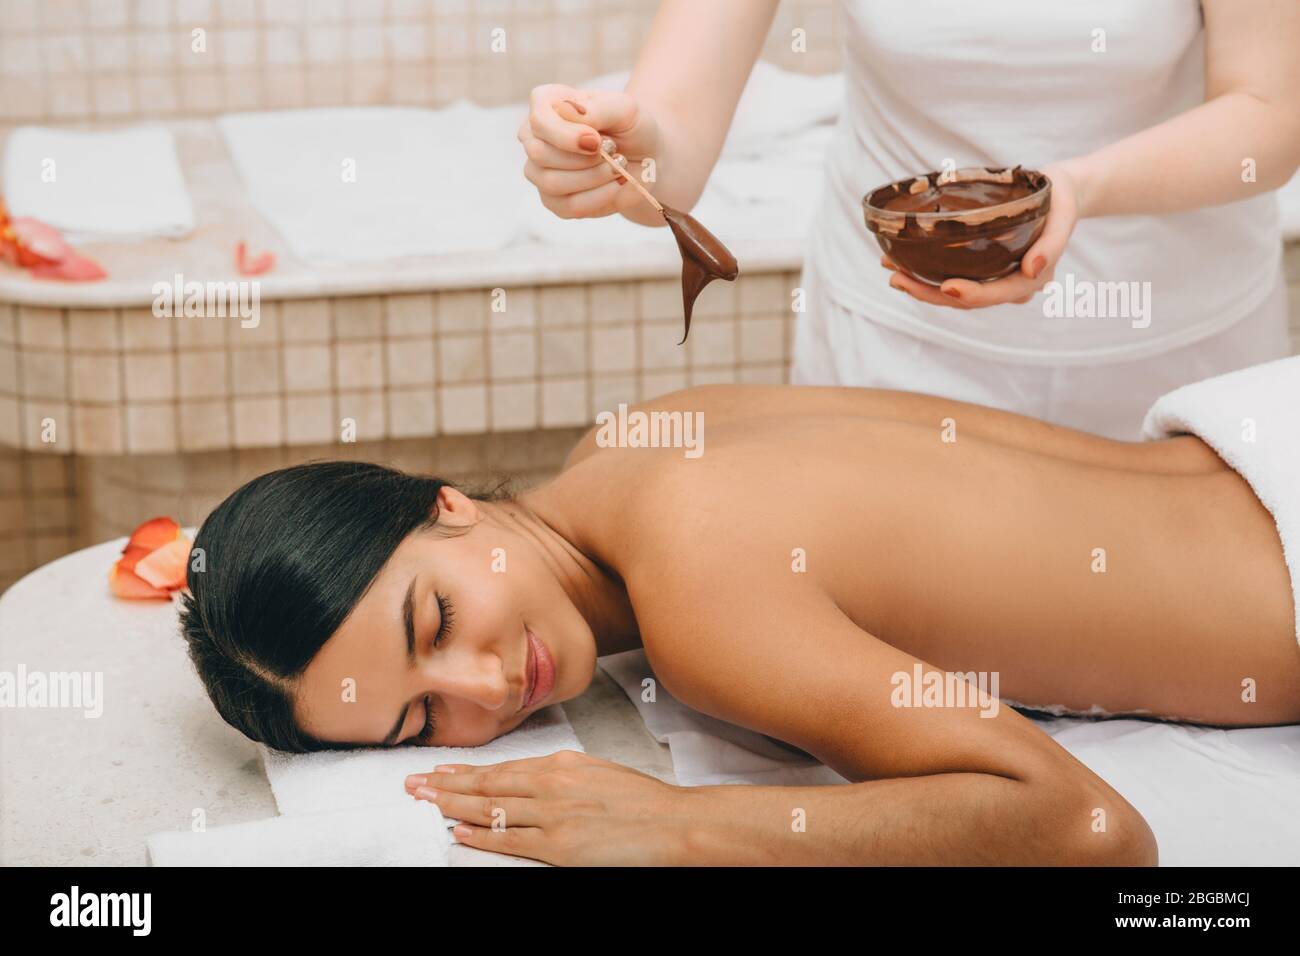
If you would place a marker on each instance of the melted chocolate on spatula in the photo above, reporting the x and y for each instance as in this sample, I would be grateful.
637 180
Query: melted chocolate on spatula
704 259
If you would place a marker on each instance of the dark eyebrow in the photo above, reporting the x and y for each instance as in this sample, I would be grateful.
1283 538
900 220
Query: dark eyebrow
408 625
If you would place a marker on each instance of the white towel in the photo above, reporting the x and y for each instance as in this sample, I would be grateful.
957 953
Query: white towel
1288 199
409 835
374 777
118 186
1212 797
1250 418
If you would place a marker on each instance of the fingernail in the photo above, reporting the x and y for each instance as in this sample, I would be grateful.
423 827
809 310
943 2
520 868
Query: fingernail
444 768
1036 266
427 793
416 780
589 141
952 293
460 830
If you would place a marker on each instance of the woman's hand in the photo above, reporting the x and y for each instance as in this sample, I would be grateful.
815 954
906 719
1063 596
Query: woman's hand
568 809
1037 267
562 135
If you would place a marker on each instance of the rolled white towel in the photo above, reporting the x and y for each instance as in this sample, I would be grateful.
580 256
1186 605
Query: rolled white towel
413 834
1249 417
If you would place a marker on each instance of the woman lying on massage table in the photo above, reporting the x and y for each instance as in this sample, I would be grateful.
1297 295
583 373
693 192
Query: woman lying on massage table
789 579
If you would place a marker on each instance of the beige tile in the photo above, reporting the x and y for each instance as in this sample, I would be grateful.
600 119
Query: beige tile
47 426
514 355
411 412
659 299
258 422
515 406
712 343
149 376
204 425
659 348
200 332
41 328
366 410
464 311
359 365
310 419
763 374
96 378
262 328
463 408
564 352
655 384
461 358
305 320
763 292
359 317
151 428
94 329
761 340
142 331
717 299
718 375
8 370
410 362
562 305
98 429
307 368
255 372
409 316
608 391
613 348
564 402
203 374
10 432
49 473
8 324
44 374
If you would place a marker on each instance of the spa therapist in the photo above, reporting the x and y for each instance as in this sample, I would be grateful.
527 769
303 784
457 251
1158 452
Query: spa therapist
1163 125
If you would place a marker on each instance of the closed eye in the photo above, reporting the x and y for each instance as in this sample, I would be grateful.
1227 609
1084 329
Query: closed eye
447 617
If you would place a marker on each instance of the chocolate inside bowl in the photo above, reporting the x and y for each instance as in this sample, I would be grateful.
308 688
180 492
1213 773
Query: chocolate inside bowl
972 223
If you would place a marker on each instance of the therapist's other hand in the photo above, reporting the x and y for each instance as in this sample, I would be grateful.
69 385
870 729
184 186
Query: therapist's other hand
562 135
567 809
1036 268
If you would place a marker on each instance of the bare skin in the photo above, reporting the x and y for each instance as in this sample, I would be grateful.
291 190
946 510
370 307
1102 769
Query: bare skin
968 555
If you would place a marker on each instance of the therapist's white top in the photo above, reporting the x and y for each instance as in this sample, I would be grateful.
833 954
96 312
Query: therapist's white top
1022 82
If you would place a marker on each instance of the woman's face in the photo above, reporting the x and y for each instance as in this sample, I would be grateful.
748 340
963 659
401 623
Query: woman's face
455 627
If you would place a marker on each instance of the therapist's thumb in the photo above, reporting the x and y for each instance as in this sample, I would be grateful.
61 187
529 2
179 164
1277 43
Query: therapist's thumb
1044 254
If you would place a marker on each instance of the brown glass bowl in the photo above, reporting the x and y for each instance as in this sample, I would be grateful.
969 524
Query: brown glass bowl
980 244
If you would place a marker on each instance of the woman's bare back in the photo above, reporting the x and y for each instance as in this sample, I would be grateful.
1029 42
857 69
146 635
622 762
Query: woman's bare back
1087 573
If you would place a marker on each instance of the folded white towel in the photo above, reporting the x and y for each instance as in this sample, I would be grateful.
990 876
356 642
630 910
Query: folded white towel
1249 418
1212 797
413 834
117 186
373 778
1288 198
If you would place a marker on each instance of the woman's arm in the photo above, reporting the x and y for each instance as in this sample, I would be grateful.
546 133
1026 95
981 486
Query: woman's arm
689 76
1250 116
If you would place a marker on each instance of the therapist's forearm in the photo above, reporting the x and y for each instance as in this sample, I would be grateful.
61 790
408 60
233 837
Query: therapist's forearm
1230 148
689 76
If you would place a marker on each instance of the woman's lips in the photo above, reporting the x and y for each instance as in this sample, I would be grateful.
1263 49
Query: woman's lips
541 671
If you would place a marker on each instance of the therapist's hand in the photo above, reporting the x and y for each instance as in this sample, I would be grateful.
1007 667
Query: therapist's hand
562 135
567 809
1036 268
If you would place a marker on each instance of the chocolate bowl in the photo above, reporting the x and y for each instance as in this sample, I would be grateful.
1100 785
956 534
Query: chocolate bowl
972 223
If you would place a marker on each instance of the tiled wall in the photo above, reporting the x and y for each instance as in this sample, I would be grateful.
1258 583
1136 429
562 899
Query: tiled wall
108 381
88 60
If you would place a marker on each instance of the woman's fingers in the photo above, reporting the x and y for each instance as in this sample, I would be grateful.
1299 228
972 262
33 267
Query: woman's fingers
601 201
527 842
549 126
976 295
567 182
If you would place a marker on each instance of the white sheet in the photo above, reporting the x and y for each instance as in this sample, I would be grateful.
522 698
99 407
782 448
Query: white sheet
1212 797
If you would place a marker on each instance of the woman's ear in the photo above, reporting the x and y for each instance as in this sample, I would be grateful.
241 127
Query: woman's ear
455 509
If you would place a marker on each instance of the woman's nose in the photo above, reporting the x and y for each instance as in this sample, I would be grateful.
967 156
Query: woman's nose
479 678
